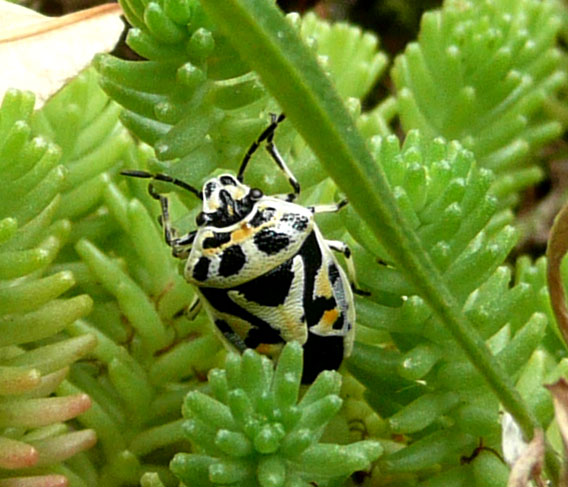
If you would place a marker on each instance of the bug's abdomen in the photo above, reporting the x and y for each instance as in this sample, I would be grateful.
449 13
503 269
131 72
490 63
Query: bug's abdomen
322 353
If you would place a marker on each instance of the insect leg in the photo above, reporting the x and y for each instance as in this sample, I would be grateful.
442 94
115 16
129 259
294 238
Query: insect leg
275 120
339 246
268 135
331 208
194 308
273 151
180 245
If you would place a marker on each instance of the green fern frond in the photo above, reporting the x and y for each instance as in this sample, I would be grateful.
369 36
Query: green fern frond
257 432
445 197
541 367
143 358
544 366
34 355
177 99
480 73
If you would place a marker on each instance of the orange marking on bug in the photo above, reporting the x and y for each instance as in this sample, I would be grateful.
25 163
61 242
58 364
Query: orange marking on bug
244 232
212 251
330 316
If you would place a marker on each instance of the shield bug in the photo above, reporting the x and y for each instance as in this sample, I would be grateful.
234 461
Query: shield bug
261 267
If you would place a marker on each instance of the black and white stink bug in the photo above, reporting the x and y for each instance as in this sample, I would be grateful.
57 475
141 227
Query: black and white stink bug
262 269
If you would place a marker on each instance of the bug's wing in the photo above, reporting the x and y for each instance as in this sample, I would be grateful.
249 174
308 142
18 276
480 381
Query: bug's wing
332 286
231 329
277 301
262 313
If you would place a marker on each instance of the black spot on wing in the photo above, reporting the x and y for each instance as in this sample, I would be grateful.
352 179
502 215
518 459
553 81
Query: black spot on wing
296 221
262 216
270 242
333 273
261 331
318 307
201 269
258 336
338 323
232 261
270 289
312 259
218 239
321 353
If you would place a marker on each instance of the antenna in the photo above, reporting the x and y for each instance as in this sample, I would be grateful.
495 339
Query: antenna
162 177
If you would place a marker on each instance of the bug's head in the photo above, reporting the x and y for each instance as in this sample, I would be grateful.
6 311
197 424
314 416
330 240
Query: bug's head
226 201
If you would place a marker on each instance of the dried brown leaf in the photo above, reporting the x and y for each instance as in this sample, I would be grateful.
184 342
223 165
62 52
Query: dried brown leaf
40 53
557 248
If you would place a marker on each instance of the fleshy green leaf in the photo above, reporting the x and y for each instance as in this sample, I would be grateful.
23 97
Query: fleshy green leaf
267 452
481 73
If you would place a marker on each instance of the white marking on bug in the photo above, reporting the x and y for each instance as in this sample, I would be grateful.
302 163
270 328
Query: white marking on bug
286 317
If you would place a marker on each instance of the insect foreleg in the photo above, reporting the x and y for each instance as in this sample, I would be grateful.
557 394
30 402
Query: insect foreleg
331 208
181 245
273 151
194 308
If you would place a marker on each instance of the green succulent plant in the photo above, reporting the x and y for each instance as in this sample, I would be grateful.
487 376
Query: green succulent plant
422 388
480 73
91 301
35 353
255 431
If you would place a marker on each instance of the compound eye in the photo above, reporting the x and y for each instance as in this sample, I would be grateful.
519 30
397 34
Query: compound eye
255 194
201 219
